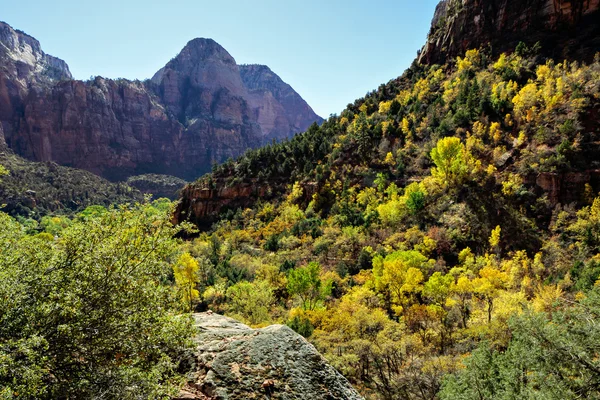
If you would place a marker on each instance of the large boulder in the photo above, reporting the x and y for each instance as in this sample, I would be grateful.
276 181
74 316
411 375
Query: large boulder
234 361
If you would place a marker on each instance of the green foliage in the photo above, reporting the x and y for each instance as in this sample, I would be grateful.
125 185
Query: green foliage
549 357
251 301
301 326
415 201
3 171
451 161
33 189
306 284
387 251
91 311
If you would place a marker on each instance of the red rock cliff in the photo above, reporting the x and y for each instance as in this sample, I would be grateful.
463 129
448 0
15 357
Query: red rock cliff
565 28
195 111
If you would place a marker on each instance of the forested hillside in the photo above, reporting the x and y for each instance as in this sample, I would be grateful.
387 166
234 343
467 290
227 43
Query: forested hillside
452 211
438 239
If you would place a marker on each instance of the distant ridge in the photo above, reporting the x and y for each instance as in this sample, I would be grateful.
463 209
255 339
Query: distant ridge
194 112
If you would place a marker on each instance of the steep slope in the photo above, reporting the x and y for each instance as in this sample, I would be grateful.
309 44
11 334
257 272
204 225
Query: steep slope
34 189
562 28
194 112
566 29
420 223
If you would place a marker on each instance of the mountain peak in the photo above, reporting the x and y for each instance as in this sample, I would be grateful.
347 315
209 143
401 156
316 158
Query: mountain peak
17 46
205 50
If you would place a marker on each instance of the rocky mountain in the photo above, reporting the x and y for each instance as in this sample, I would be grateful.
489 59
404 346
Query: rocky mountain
195 111
234 361
565 28
280 111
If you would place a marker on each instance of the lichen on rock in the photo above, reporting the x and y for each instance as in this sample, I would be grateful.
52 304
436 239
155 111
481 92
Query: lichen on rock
234 361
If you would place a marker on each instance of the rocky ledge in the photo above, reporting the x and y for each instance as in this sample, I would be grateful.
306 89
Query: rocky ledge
234 362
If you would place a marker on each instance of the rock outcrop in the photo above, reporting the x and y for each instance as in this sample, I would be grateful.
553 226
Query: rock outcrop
565 28
568 187
29 62
236 362
195 111
201 205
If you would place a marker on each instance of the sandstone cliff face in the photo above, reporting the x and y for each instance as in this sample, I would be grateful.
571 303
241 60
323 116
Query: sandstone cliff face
280 111
201 205
195 111
111 128
234 361
29 61
565 28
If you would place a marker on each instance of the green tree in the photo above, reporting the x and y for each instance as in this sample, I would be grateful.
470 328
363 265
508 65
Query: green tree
549 357
305 283
90 313
251 301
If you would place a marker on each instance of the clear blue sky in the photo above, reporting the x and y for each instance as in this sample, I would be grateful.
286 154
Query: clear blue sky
331 51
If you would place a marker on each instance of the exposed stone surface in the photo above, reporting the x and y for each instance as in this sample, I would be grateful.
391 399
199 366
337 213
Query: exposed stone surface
195 111
280 111
29 61
235 362
565 28
567 187
201 205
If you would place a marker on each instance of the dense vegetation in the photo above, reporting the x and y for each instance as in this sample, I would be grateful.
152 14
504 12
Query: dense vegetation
34 189
414 234
411 245
160 186
90 310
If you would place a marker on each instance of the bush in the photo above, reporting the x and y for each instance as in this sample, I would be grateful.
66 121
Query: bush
91 312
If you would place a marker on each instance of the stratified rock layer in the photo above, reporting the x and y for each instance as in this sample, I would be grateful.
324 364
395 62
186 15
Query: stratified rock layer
237 362
565 28
195 111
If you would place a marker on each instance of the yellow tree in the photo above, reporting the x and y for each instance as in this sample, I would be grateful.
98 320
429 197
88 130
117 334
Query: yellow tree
487 287
495 239
451 161
399 277
186 277
462 291
438 290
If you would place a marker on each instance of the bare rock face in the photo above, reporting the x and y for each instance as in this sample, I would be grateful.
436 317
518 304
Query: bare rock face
29 61
568 187
565 28
235 362
201 205
280 111
194 112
